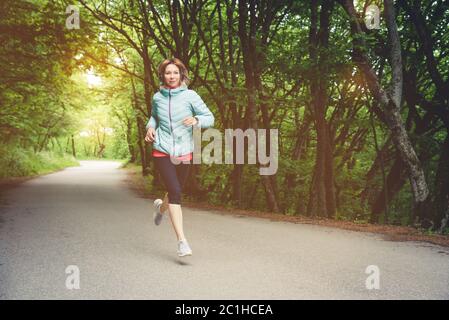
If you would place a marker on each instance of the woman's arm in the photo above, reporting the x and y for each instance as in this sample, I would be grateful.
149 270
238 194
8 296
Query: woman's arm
152 122
204 116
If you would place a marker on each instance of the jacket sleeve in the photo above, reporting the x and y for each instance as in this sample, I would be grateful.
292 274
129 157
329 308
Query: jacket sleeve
201 111
152 122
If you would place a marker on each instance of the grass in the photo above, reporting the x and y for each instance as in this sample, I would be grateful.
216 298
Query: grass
18 162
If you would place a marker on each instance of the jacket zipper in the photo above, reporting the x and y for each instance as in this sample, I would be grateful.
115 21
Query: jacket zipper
171 126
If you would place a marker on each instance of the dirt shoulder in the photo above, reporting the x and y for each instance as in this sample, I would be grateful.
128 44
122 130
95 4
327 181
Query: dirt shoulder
8 183
135 182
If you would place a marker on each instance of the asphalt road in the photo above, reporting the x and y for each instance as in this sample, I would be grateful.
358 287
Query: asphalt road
87 217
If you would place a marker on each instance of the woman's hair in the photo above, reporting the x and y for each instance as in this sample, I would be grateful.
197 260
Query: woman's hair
182 69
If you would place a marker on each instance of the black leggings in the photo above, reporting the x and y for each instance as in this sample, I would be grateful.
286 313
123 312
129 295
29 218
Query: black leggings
173 176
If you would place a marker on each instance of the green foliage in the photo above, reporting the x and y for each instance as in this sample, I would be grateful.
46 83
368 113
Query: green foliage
18 162
46 102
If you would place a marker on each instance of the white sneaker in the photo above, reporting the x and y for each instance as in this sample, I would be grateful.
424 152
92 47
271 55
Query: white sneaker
157 217
184 248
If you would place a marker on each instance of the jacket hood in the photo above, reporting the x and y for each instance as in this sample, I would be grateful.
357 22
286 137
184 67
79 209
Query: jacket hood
165 92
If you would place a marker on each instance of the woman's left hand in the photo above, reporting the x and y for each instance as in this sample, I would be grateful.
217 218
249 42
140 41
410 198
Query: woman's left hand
190 121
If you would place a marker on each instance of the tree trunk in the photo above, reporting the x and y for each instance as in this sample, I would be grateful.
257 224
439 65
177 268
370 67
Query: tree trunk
142 148
73 146
322 192
390 101
148 100
249 51
440 212
393 184
237 174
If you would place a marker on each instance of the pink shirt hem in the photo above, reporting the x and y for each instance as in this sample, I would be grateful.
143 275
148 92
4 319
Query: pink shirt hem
158 154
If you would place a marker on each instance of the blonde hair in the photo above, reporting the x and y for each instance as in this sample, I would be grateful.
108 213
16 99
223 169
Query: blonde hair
182 70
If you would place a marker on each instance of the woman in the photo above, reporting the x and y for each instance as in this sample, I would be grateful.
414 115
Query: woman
175 110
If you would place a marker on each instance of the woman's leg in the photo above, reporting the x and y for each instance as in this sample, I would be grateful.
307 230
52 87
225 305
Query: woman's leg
182 172
174 176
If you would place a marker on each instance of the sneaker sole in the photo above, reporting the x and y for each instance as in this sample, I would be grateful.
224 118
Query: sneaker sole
185 255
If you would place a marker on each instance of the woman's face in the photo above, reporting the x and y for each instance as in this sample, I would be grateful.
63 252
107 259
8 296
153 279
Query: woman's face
172 76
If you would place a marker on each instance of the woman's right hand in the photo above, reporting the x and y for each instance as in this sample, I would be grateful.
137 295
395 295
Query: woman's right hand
151 135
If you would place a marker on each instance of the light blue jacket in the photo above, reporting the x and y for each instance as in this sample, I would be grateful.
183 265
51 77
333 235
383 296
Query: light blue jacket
169 108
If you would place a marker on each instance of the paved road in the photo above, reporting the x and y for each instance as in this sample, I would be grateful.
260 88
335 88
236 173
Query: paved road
87 217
